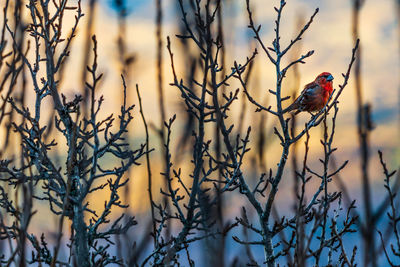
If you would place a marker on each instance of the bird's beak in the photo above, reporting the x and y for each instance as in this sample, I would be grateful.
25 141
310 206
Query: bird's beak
330 78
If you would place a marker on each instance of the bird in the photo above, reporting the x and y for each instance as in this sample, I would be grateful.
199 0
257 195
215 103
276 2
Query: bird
314 96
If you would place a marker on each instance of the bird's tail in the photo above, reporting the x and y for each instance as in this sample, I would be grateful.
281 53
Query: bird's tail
295 105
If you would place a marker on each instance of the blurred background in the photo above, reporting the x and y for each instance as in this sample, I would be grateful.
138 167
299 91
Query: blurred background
128 44
330 36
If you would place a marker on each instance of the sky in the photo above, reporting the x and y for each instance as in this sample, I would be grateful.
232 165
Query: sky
330 37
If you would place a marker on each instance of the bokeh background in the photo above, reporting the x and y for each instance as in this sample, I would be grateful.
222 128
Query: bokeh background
330 36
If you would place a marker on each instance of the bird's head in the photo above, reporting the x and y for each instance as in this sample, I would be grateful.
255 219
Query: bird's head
325 79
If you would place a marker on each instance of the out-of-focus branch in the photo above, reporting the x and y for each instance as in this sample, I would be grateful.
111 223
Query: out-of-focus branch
91 12
392 214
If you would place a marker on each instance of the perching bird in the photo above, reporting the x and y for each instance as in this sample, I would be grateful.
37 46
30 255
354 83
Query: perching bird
314 95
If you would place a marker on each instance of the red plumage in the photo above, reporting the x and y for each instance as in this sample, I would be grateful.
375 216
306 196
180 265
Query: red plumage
314 95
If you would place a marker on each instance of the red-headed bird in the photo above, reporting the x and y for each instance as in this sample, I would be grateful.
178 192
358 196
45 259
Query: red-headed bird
314 95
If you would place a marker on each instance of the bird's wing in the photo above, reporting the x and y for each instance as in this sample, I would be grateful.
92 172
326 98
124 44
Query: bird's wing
309 94
308 99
